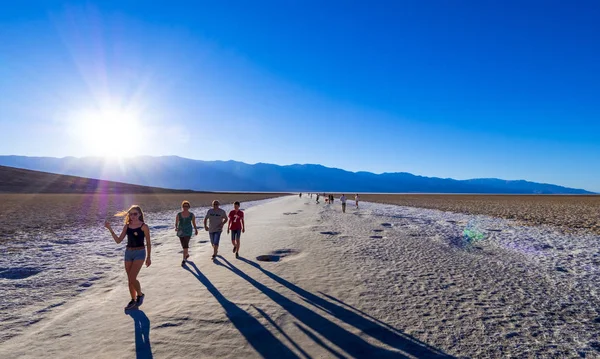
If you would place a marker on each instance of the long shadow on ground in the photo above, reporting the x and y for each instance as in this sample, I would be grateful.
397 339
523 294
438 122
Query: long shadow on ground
259 337
351 343
296 345
141 325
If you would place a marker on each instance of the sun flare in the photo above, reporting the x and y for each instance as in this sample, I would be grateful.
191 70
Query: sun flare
107 132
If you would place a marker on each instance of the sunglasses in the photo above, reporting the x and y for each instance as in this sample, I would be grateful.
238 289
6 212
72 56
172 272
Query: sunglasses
134 214
186 206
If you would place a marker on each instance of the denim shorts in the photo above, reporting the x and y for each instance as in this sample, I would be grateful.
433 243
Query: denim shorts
236 234
135 255
215 237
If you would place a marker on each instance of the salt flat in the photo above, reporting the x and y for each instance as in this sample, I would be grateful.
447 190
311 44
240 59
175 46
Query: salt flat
382 281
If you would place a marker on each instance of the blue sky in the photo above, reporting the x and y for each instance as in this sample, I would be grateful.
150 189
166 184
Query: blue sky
461 89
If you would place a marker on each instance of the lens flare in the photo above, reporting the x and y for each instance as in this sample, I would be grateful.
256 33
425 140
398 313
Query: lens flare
473 233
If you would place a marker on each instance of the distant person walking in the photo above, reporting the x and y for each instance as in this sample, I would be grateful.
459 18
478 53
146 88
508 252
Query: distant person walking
300 194
185 223
214 221
343 200
317 198
356 198
136 252
330 199
237 227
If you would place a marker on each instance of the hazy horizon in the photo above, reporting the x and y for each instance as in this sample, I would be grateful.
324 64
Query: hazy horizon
121 158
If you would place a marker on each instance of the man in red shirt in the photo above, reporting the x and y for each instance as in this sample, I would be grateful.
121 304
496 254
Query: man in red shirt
236 226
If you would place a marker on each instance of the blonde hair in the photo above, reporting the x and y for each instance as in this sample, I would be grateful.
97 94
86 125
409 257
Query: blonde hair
184 203
126 214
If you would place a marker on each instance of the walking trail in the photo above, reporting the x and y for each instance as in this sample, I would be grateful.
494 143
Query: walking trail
337 286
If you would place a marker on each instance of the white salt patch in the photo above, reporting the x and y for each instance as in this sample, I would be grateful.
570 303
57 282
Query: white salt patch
50 266
336 292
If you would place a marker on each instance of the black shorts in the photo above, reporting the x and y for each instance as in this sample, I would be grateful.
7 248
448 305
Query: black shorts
185 241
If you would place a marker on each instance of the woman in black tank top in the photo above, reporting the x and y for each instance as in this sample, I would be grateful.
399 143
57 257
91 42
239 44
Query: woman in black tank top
135 237
138 249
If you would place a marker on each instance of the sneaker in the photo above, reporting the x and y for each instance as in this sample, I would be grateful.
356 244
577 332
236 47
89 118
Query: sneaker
237 255
213 256
140 299
183 263
132 305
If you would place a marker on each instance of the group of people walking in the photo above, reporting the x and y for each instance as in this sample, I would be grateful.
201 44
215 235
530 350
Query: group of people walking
139 247
329 199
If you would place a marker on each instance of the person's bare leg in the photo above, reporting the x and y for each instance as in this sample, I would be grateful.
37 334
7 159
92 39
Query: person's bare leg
135 287
128 266
237 245
185 253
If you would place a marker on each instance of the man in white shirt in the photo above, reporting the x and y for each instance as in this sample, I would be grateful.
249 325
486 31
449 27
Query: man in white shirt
343 200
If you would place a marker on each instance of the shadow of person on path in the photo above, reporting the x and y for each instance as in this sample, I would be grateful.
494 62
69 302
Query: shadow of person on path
141 325
346 340
317 340
259 337
281 331
362 313
352 344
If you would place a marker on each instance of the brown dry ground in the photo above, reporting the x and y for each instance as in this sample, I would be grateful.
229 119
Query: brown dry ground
18 180
565 212
22 212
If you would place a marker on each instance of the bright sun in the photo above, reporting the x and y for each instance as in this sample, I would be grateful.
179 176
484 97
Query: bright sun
107 132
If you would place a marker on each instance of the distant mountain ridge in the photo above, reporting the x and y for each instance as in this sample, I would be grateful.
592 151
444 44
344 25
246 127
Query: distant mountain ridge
182 173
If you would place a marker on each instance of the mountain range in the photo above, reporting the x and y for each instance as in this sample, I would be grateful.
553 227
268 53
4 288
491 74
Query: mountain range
182 173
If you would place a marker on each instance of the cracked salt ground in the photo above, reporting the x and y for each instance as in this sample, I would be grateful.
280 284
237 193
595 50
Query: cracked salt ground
519 282
534 242
415 293
49 266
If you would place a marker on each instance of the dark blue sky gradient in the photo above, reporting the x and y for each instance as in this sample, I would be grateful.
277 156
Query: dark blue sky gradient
459 89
